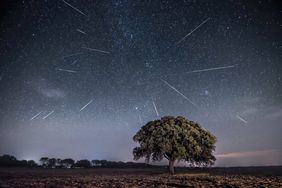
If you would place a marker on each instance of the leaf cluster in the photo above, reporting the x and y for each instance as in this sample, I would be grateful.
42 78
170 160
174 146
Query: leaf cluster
175 139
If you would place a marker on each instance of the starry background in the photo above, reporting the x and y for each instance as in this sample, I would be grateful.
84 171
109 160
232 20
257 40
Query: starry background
58 56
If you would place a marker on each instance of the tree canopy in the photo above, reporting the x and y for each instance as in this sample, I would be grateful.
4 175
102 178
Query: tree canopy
84 163
11 161
176 139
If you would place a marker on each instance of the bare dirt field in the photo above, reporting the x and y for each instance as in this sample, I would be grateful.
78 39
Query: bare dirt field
147 177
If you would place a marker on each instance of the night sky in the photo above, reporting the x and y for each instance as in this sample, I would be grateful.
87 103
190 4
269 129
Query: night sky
79 78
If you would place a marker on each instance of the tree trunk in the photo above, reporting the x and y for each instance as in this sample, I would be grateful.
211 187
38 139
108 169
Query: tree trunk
171 166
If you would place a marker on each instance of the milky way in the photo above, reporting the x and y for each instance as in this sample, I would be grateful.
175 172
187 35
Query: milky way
79 78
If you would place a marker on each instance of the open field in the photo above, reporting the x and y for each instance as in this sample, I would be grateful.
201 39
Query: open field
145 177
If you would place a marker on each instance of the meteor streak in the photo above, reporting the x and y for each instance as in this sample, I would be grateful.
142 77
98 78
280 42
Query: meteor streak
140 120
240 118
86 105
179 92
74 62
76 9
211 69
36 115
72 55
48 114
66 70
96 50
80 31
155 107
191 32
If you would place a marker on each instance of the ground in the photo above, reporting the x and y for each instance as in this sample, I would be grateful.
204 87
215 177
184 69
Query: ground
149 177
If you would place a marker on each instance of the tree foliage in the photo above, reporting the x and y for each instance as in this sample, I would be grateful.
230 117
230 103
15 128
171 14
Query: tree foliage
52 162
44 161
84 163
67 163
11 161
176 139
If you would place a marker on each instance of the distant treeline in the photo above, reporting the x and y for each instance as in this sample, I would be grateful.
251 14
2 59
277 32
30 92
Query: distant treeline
45 162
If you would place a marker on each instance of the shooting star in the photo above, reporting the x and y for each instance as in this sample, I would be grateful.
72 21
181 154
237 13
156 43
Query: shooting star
35 115
48 114
140 120
72 55
122 121
155 107
211 69
240 118
74 62
96 50
86 105
66 70
80 31
179 92
76 9
191 32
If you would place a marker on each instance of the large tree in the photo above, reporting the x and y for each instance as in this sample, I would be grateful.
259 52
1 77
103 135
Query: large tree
67 163
83 163
176 139
44 161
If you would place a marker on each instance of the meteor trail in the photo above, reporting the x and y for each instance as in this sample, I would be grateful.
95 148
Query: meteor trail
66 70
80 31
74 62
86 105
191 31
155 107
48 114
211 69
179 92
36 115
76 9
240 118
72 55
96 50
140 120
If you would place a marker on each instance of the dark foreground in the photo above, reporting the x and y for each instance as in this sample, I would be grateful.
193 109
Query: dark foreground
149 177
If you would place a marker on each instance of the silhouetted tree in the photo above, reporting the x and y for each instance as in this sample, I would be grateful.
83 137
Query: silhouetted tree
176 139
104 163
44 161
96 163
22 163
83 163
11 161
67 163
52 162
8 161
31 163
58 161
